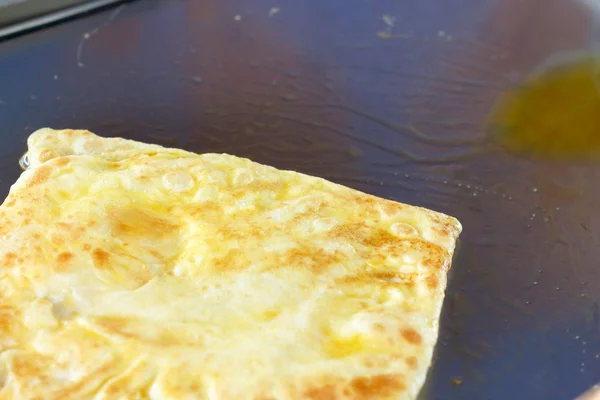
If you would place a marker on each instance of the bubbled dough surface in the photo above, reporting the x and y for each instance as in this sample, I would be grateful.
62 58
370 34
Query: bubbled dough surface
131 271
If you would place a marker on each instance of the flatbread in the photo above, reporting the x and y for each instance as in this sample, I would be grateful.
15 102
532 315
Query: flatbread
132 271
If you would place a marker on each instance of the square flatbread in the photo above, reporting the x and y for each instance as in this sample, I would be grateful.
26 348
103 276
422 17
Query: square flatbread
133 271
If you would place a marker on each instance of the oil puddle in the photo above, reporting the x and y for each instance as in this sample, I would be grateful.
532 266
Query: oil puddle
554 113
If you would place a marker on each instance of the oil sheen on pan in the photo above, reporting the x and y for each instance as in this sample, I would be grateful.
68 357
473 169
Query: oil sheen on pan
554 113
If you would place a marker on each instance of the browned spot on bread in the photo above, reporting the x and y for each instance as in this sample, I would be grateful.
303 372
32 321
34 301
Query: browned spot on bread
113 165
10 203
25 366
257 185
442 230
87 247
325 392
309 257
46 155
452 227
199 211
74 132
31 369
410 308
64 257
9 321
9 259
411 336
378 385
380 278
358 388
39 175
412 362
351 232
63 225
432 281
155 253
433 256
385 275
232 261
101 259
62 161
57 240
381 238
366 202
392 208
227 233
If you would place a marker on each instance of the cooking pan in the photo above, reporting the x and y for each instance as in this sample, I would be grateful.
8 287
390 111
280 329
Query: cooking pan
387 97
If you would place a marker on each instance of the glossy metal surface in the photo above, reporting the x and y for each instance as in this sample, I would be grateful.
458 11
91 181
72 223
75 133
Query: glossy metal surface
20 16
390 105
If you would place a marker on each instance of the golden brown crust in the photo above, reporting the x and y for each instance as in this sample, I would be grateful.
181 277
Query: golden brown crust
133 271
381 386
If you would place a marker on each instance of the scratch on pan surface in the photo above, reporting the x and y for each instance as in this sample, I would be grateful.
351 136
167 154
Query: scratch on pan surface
87 35
402 129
